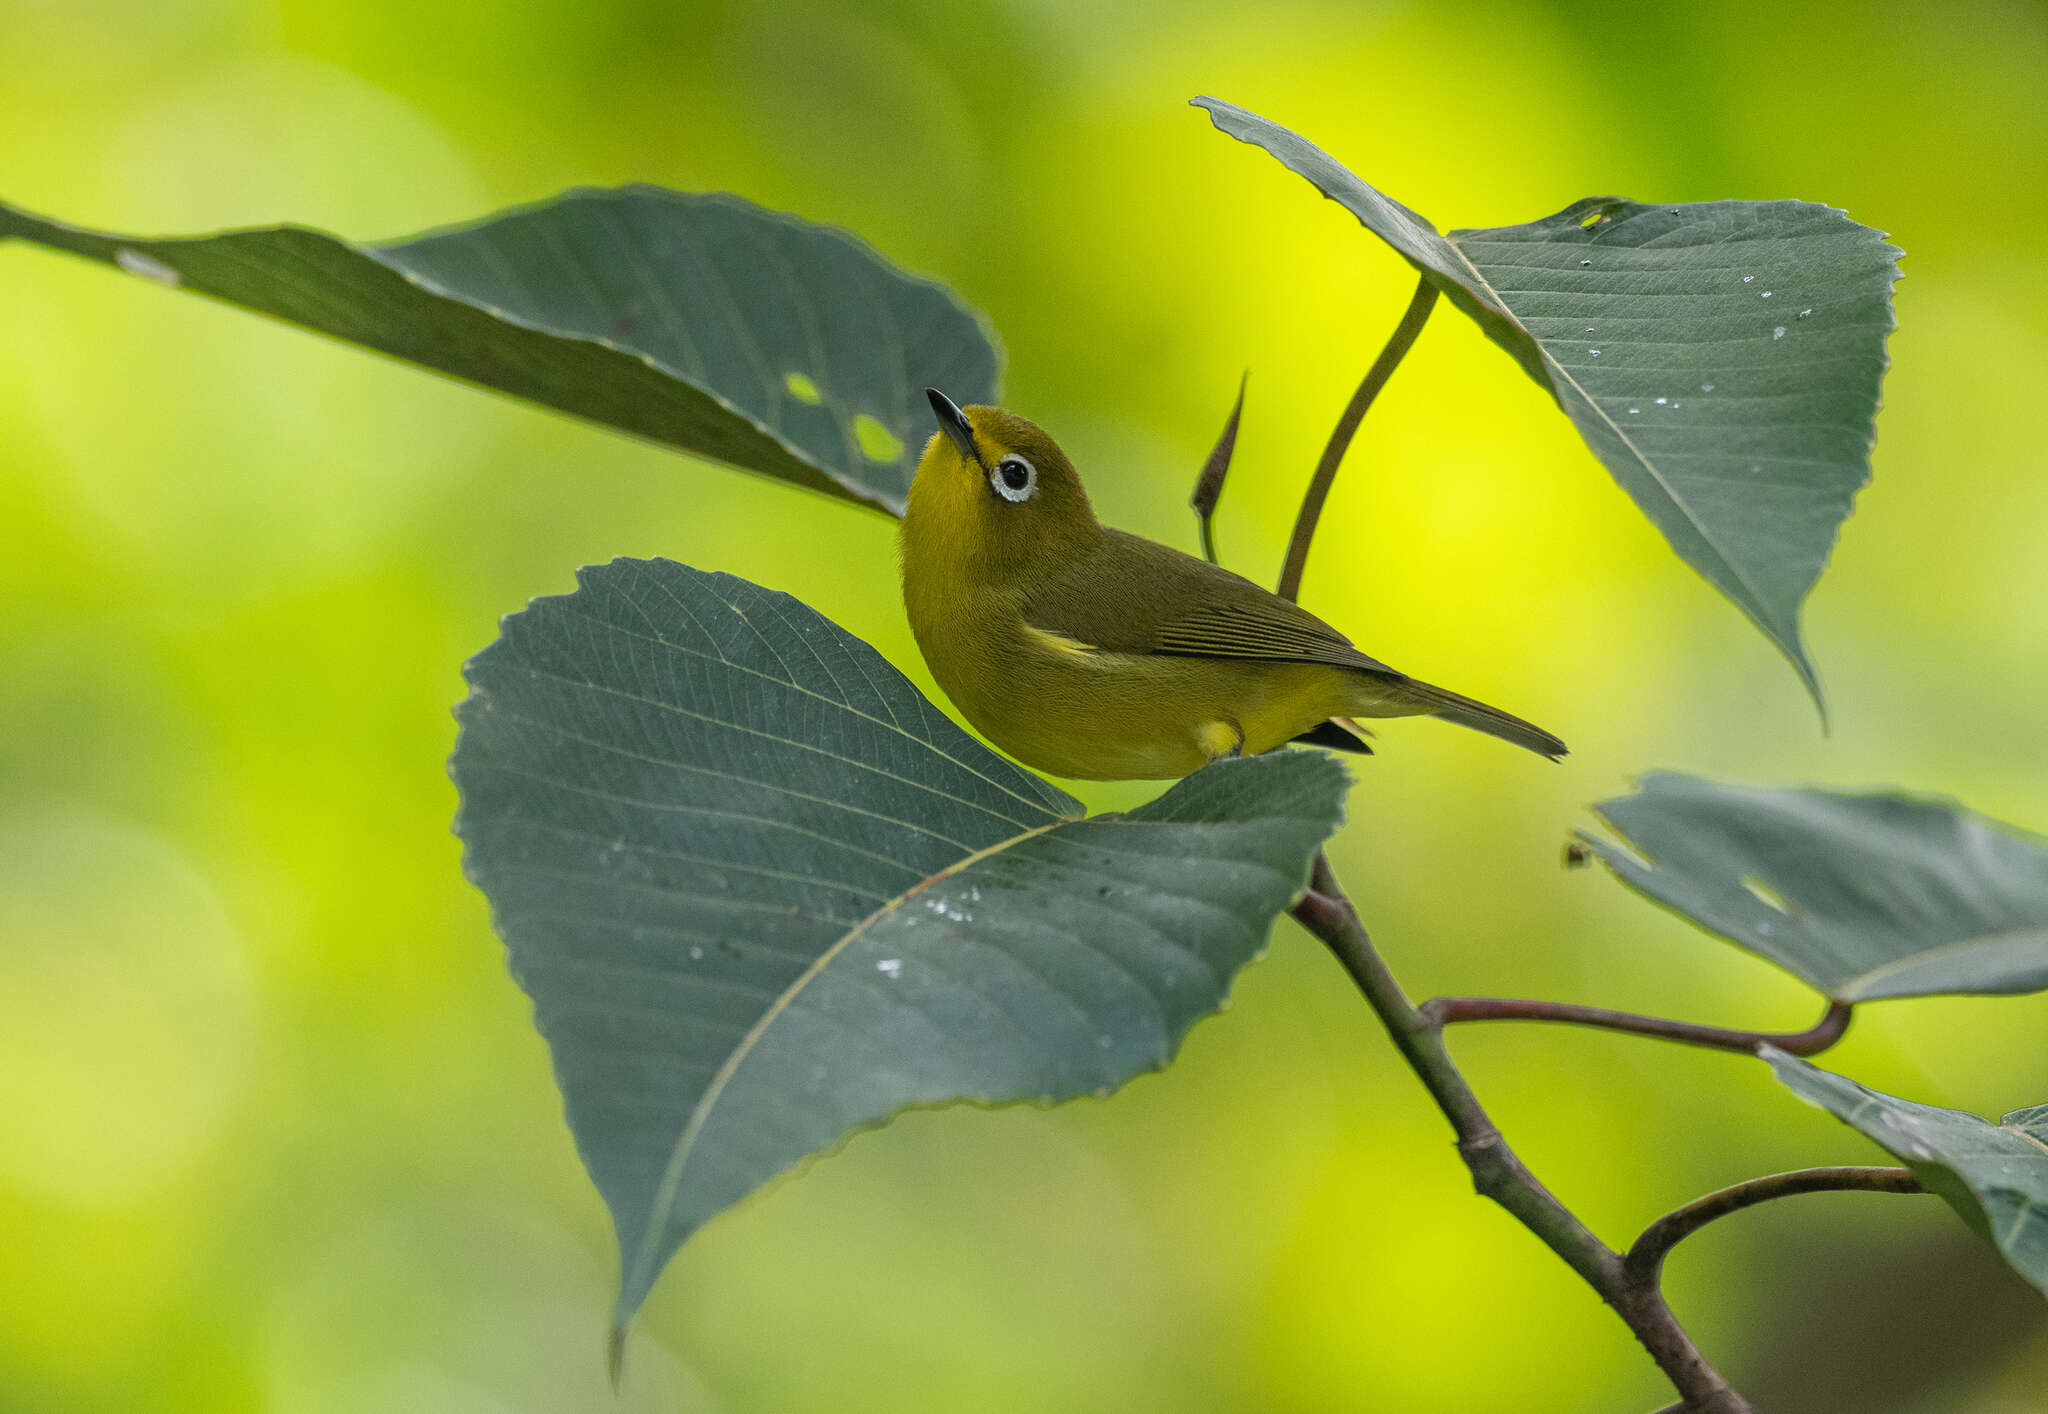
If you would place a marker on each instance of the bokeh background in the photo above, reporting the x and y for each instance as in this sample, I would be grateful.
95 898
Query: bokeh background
275 1133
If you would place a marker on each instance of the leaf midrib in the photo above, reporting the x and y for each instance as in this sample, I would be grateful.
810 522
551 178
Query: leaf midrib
1859 986
693 1128
2038 1144
1641 460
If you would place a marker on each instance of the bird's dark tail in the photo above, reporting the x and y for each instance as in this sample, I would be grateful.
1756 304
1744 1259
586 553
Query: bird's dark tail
1451 707
1338 734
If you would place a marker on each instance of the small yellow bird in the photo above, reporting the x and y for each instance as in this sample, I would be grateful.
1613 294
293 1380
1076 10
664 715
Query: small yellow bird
1090 653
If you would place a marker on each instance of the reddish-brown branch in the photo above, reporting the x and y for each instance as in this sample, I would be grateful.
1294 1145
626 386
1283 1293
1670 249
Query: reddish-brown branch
1644 1263
1443 1011
1496 1171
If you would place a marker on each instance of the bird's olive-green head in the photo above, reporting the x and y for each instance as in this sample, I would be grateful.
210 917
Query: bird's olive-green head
995 502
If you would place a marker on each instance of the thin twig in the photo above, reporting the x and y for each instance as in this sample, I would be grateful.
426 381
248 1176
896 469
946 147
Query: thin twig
1442 1011
1645 1260
1496 1171
1376 377
1209 485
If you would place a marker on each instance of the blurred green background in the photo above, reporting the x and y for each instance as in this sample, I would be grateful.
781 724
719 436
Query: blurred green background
275 1133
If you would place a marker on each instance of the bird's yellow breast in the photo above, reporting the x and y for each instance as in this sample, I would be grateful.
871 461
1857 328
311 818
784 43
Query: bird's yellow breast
1075 710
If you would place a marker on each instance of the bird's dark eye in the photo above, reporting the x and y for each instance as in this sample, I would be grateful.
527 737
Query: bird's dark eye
1014 479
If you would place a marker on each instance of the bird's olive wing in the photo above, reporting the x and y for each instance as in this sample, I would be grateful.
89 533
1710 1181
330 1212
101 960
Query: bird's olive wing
1137 596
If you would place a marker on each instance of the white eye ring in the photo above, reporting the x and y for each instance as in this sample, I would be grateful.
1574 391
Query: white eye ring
1013 478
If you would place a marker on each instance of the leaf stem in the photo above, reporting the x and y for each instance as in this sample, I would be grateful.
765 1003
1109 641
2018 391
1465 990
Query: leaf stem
1398 344
1442 1011
1209 485
1645 1260
1497 1172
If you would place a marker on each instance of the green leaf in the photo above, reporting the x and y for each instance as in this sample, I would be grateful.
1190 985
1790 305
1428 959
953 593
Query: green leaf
1994 1175
702 322
763 893
1861 896
1722 359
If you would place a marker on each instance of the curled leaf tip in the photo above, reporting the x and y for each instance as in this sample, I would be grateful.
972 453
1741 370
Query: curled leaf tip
615 1355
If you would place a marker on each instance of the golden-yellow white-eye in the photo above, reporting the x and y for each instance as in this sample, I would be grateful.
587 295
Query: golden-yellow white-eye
1087 652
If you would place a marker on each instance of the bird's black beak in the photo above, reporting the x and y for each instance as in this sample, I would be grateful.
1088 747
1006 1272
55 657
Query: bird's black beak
954 424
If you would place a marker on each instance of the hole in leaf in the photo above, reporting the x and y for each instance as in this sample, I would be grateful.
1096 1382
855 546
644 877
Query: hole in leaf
877 442
1768 895
148 267
802 388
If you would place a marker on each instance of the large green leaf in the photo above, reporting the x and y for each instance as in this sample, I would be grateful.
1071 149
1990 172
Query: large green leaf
1994 1175
1722 359
1862 896
763 893
702 322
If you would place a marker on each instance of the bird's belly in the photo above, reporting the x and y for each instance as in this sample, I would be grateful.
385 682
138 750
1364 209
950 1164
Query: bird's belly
1109 716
